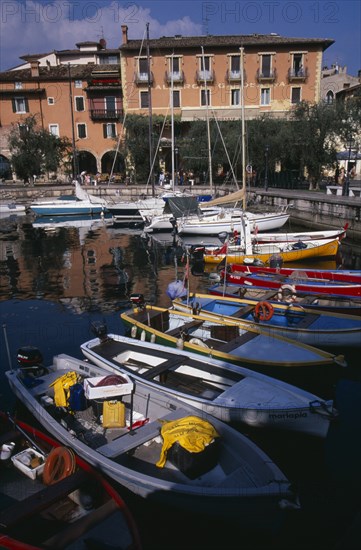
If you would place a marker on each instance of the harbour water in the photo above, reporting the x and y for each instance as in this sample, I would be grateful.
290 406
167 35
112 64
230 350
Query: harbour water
55 280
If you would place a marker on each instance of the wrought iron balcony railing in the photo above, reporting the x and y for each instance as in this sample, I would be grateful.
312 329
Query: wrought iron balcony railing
106 114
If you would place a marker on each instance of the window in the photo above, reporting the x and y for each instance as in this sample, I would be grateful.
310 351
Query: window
54 129
109 130
18 85
235 97
205 98
81 131
265 96
51 101
174 66
266 60
144 100
20 105
329 97
110 104
235 66
109 60
176 98
78 83
79 103
295 95
205 67
143 69
297 65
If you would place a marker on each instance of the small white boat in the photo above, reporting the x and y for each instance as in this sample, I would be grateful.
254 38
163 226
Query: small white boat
6 209
229 392
225 473
230 220
79 204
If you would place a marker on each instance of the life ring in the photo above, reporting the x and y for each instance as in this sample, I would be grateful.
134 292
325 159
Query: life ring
287 293
198 342
59 464
263 311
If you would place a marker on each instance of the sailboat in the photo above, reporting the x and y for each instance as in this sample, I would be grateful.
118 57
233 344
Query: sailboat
216 215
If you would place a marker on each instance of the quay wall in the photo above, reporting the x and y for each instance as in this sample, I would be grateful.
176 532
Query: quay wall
312 209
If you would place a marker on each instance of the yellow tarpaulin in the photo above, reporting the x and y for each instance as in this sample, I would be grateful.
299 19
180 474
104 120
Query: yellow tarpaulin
191 432
62 388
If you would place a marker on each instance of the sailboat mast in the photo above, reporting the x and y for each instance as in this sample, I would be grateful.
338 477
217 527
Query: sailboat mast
150 116
243 132
208 129
172 121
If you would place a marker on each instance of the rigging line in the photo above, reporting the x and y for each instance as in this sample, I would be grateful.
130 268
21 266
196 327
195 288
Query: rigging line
121 133
156 151
225 149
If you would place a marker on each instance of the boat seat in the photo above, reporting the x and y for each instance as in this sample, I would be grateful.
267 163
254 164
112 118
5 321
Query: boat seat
307 320
41 500
192 324
244 311
78 528
134 438
169 364
236 342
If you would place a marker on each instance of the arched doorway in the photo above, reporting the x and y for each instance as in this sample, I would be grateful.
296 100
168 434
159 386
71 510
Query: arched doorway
87 162
108 161
5 168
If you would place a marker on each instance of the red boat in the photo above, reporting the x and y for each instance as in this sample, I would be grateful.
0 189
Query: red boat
299 274
293 285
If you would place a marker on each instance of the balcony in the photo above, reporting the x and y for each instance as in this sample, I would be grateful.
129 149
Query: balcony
297 75
176 76
266 76
235 76
204 76
106 114
141 79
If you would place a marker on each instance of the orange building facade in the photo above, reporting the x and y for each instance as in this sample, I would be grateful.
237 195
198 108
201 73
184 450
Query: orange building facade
206 72
84 94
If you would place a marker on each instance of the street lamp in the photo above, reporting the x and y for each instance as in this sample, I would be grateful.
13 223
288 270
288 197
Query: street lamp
266 150
347 181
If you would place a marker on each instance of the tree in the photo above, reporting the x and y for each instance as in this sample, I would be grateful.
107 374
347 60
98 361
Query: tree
34 150
316 128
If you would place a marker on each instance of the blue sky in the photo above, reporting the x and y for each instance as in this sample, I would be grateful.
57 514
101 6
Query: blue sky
39 26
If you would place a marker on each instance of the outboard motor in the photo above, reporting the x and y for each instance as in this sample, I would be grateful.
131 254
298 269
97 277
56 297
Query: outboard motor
137 300
28 356
30 361
100 330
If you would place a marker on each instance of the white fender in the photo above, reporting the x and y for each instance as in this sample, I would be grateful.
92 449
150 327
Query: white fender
288 297
198 342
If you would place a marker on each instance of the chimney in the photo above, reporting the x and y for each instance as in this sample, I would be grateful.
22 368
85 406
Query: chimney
34 69
124 34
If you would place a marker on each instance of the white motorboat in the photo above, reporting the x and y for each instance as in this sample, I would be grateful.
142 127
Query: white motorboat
81 203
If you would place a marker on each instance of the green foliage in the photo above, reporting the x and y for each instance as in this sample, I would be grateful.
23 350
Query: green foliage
34 150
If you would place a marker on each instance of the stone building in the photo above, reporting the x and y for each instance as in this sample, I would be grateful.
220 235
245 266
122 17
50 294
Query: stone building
334 80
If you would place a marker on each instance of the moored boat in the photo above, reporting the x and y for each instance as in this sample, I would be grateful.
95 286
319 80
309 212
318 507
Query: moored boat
229 392
51 498
79 204
288 252
280 282
286 295
132 443
246 345
300 274
322 329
